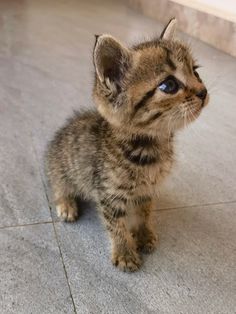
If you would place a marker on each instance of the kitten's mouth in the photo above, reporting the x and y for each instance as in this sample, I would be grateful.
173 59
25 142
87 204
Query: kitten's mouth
194 109
193 113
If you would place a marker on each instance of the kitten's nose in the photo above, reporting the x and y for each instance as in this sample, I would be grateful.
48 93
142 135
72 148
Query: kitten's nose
202 94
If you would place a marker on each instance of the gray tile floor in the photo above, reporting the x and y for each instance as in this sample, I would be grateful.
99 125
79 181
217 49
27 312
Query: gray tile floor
50 267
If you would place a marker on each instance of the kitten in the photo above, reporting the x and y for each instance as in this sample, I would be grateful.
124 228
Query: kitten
118 154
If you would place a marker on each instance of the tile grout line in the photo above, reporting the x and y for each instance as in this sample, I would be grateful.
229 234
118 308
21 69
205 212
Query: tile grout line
156 210
64 267
26 225
61 256
195 205
29 224
54 228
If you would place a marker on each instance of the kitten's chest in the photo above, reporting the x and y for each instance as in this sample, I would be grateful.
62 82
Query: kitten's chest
148 179
137 168
137 179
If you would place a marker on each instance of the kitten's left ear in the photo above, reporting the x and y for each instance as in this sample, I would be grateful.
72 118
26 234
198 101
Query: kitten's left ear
111 61
169 31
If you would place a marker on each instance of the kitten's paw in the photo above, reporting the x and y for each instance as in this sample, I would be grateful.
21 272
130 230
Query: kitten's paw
147 242
67 212
128 262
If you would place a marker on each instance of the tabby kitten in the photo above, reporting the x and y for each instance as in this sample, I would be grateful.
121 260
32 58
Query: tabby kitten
118 154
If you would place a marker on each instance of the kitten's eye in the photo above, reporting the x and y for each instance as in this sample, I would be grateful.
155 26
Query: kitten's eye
169 86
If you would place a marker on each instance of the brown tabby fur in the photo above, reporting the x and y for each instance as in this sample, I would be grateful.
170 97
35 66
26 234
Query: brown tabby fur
118 154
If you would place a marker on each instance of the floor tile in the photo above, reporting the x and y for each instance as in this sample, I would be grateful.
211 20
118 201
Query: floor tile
32 278
193 270
22 195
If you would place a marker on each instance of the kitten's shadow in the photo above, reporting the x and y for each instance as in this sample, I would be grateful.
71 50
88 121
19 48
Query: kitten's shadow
87 209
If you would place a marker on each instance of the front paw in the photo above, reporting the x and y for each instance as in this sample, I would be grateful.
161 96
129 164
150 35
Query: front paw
67 212
126 261
146 241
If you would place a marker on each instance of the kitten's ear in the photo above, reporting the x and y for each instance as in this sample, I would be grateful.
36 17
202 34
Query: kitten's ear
169 31
111 61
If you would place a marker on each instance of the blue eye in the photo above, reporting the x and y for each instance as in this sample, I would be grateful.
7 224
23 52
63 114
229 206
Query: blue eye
169 85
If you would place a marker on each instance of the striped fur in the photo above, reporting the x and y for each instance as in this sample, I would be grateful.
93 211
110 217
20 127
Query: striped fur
119 153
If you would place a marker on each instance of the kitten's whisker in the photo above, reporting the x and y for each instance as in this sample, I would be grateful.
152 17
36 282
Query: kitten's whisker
191 126
188 118
185 118
170 122
175 117
169 131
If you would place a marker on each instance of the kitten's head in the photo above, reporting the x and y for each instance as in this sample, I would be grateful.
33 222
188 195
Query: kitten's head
151 86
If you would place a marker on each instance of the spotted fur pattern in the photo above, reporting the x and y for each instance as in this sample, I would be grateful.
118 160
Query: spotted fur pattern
118 154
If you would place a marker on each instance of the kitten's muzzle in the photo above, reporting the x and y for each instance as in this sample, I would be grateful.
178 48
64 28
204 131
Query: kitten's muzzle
202 94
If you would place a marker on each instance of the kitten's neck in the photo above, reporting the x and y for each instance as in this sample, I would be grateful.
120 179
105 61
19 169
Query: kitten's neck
141 149
126 134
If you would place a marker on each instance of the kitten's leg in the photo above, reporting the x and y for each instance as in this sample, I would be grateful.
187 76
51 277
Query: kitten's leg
66 206
67 209
124 252
145 236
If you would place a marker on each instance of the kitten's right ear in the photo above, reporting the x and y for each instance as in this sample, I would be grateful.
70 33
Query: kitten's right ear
169 30
111 61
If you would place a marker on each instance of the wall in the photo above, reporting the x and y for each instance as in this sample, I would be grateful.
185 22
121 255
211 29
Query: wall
213 29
